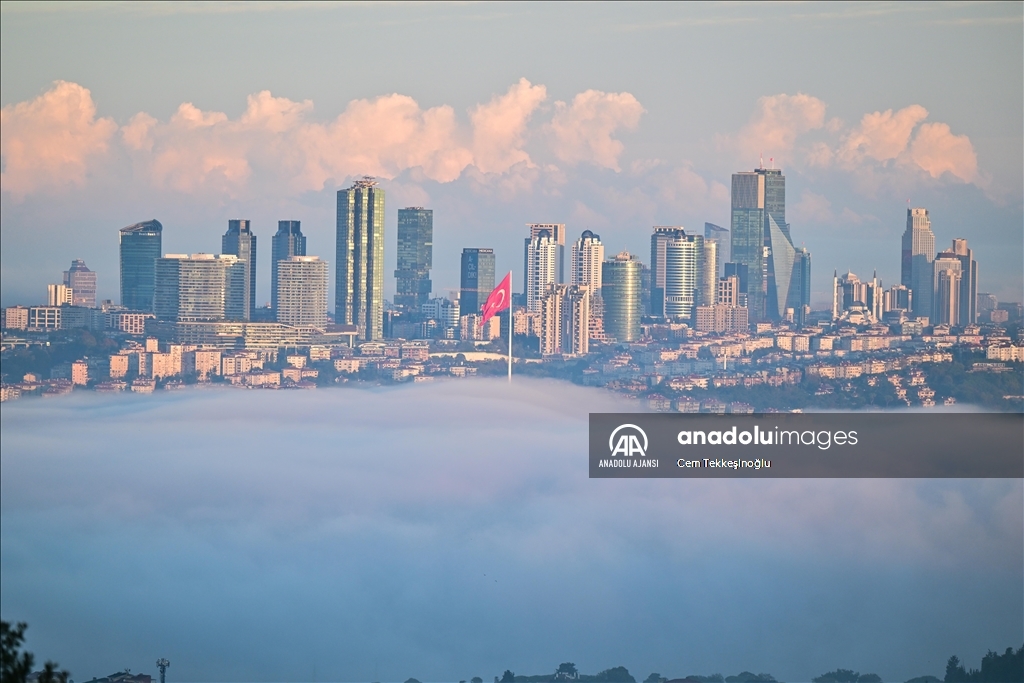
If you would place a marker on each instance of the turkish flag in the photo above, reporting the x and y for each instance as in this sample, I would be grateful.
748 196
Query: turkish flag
498 300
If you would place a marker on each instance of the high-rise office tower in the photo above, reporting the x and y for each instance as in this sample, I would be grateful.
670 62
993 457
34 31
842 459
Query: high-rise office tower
359 266
662 235
682 272
239 241
947 276
287 241
968 283
415 257
140 247
620 291
720 235
557 233
200 288
586 259
476 279
82 282
760 239
800 286
302 291
541 268
708 272
916 260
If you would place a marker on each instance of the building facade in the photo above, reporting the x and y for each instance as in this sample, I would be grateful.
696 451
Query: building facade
918 252
541 268
302 291
200 288
565 321
720 235
241 242
59 295
585 262
359 264
140 247
415 257
288 241
968 314
476 279
82 282
620 292
557 233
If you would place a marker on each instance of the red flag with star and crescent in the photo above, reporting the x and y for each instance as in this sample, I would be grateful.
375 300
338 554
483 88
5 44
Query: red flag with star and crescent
498 300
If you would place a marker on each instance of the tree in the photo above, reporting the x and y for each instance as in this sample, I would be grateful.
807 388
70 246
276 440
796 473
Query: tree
508 677
50 674
955 672
15 666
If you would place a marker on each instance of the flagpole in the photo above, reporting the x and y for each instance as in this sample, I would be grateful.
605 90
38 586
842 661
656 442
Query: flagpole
510 327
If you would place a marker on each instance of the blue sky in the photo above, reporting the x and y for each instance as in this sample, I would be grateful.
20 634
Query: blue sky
608 117
447 531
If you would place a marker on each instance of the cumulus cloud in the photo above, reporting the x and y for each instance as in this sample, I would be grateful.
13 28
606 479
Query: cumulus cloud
882 135
936 150
499 127
776 124
582 131
50 141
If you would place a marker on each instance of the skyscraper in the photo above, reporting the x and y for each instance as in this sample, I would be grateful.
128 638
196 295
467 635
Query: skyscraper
288 241
800 286
541 268
239 241
587 257
140 247
82 282
620 290
359 266
947 276
720 235
682 272
758 203
477 279
968 283
415 257
662 235
565 321
781 255
557 233
302 291
199 288
916 260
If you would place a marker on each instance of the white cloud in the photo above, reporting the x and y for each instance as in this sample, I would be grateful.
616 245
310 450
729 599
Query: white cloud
582 131
50 141
777 123
499 127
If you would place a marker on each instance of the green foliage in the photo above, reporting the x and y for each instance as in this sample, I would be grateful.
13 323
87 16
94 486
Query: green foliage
747 677
508 677
618 674
995 668
15 665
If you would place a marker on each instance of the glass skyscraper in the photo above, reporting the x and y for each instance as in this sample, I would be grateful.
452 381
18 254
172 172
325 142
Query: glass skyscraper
239 241
415 257
359 266
287 242
477 279
720 235
916 260
141 245
760 240
620 291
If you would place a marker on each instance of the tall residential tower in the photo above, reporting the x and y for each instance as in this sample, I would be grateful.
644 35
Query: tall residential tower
359 265
287 242
916 260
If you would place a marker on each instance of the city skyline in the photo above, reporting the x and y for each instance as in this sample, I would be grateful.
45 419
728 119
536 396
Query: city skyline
853 155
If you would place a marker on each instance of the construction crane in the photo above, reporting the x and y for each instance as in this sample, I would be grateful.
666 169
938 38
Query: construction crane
162 664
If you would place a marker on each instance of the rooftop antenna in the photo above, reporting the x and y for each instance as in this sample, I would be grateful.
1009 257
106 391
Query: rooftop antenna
162 664
761 164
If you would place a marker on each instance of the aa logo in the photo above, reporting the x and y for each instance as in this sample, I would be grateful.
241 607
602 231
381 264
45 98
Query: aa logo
628 440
